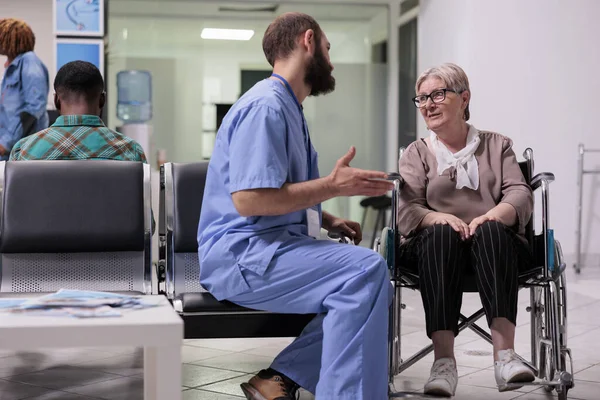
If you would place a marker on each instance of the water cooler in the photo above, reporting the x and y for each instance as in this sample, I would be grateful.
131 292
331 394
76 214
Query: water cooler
134 107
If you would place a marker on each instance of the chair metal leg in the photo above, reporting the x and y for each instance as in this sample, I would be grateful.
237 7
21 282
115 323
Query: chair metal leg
470 323
562 287
391 344
554 324
395 346
398 325
395 332
533 310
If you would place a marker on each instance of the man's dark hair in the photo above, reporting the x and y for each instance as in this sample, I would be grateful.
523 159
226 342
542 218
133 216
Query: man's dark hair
79 79
281 35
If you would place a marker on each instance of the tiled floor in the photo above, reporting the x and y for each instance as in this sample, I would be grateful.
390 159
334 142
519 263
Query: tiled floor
213 369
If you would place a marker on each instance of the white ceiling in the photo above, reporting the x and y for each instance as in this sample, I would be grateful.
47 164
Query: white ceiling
194 9
168 36
173 26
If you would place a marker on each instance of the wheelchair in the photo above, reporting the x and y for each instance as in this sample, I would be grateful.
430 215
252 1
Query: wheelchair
548 296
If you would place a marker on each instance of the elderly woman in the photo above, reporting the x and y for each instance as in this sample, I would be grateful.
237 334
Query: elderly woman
464 206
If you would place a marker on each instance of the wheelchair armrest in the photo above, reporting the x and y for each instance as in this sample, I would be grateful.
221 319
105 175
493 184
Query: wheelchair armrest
392 176
537 180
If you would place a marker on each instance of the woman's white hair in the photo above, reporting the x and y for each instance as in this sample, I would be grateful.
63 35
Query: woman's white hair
453 77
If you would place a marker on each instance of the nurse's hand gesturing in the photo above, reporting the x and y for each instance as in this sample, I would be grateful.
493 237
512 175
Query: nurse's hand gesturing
348 181
291 197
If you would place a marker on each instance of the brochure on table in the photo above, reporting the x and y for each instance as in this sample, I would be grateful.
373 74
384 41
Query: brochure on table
78 303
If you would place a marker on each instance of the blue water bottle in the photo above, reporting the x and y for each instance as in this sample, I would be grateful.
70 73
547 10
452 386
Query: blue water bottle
134 103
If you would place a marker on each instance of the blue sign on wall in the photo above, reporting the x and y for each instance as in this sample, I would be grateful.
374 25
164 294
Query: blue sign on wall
79 17
68 50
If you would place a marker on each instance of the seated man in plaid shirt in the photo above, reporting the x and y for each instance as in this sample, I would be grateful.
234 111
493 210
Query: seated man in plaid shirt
79 133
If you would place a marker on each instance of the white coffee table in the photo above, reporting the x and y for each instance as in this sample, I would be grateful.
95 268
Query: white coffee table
159 330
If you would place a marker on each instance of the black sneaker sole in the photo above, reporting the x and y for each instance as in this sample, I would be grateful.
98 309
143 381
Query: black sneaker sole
251 393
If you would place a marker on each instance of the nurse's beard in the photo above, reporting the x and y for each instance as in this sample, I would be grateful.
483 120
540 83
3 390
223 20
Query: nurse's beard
318 75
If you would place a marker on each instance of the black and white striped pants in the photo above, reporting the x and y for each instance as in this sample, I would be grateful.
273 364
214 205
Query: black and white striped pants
441 258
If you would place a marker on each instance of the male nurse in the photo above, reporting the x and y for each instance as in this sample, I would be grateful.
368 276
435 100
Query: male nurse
261 215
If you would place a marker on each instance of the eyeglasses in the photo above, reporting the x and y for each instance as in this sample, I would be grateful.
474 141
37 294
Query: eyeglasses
437 96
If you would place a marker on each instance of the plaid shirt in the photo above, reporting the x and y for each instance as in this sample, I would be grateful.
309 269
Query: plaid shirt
78 137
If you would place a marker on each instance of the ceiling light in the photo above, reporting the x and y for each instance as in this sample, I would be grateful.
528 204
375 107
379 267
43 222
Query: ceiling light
227 34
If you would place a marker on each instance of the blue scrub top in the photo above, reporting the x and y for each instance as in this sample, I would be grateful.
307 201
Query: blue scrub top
263 142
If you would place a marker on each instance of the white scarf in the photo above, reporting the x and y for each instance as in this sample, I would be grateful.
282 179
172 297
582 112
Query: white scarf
463 161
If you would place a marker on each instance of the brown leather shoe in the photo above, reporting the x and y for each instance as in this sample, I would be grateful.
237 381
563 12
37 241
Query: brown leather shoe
270 385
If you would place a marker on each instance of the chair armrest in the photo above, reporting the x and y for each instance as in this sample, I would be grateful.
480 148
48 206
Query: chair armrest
537 180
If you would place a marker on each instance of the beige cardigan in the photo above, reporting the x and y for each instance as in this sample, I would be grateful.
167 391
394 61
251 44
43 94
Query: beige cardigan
500 181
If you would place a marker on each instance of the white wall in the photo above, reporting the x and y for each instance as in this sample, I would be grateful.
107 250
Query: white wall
533 67
378 27
38 14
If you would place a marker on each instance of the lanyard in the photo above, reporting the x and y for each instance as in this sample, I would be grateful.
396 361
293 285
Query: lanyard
304 124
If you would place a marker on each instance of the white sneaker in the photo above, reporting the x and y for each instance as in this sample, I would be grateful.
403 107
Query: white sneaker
443 378
510 369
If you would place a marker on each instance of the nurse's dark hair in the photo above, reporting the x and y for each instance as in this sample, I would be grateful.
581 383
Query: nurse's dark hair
16 37
281 36
78 79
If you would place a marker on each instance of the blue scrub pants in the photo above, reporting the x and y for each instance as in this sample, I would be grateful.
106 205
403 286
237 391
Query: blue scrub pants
342 352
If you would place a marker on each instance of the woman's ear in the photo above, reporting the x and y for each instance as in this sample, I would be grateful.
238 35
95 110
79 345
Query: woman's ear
466 96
